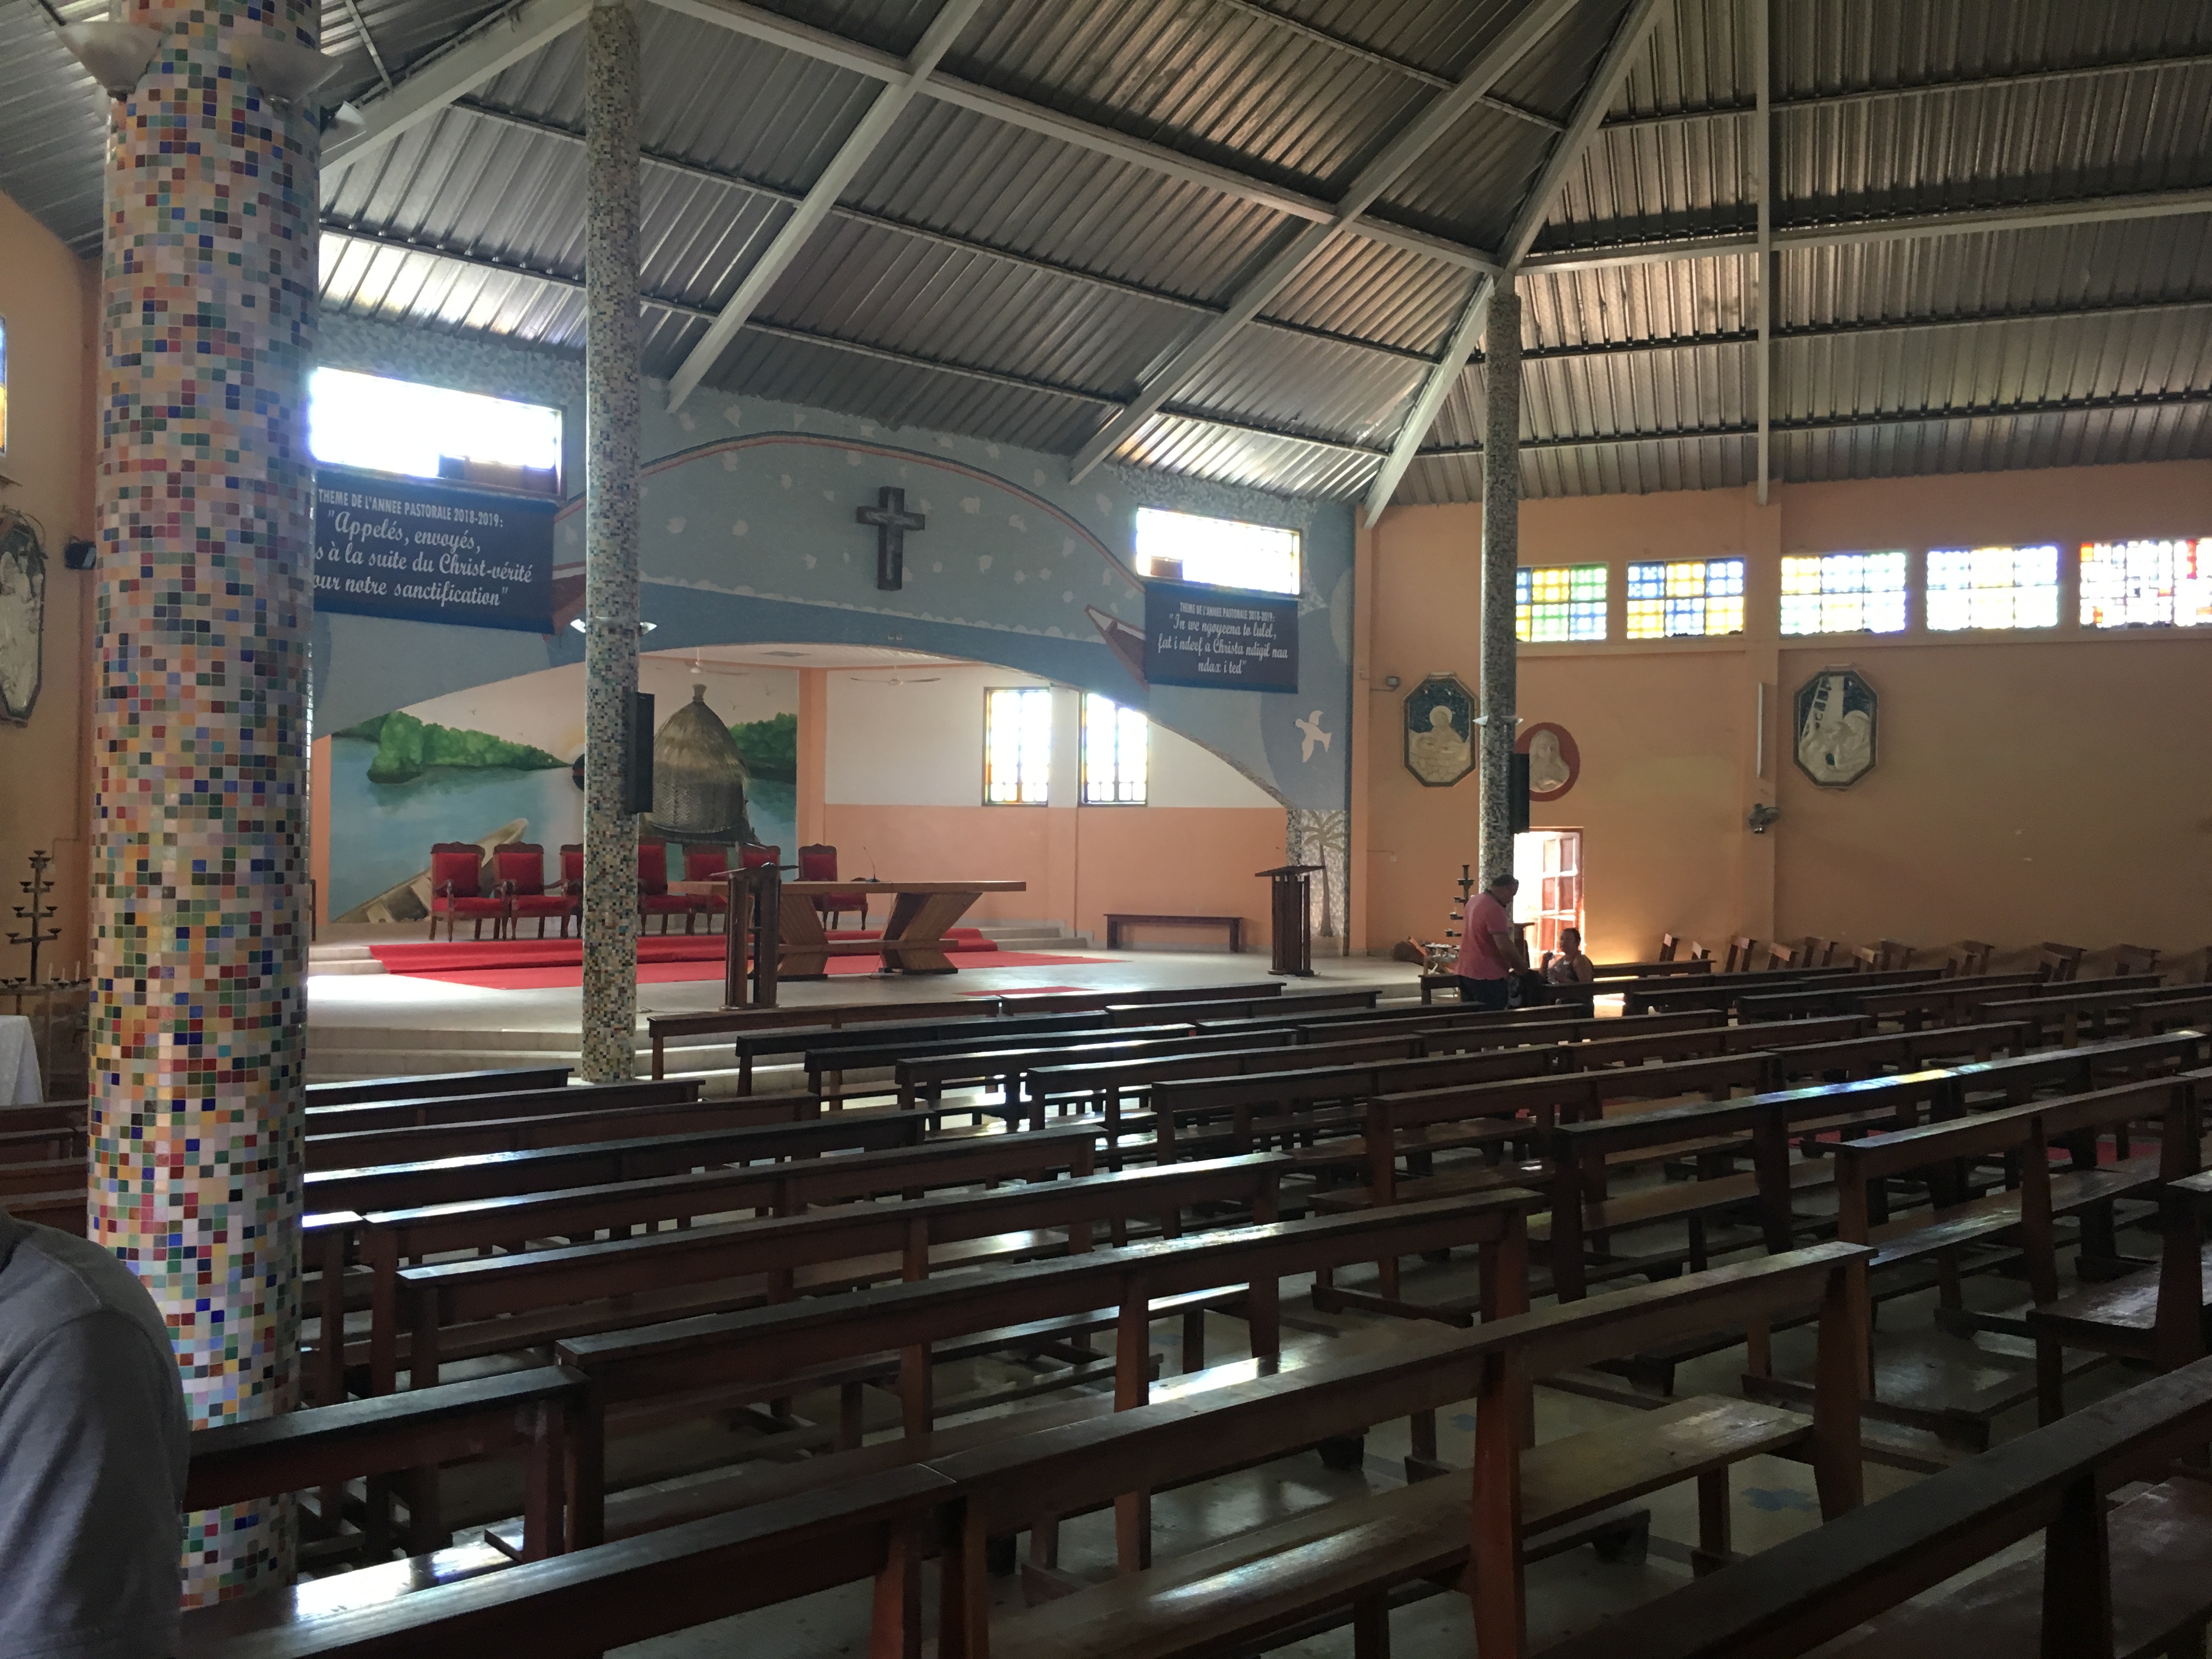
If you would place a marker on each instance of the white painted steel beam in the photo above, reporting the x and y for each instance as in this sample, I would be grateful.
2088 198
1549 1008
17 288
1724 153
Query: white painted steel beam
1406 145
1961 222
497 44
1589 111
1762 130
752 21
891 103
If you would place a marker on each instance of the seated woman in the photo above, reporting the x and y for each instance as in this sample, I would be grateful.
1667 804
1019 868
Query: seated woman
1569 965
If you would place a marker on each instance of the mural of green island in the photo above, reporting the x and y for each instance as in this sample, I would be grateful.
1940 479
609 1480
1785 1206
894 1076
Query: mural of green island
407 747
769 748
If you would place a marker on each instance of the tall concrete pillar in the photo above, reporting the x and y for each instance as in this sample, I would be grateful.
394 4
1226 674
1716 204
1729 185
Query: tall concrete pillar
209 276
611 606
1501 555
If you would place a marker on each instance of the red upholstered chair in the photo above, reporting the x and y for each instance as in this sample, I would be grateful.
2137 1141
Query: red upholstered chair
654 898
456 889
754 856
707 864
572 875
519 869
819 863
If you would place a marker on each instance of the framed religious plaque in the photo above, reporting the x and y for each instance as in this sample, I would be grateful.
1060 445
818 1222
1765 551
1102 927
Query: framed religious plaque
1440 731
1834 723
22 616
1554 762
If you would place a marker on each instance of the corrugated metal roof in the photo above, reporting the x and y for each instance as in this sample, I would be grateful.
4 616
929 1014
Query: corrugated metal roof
981 275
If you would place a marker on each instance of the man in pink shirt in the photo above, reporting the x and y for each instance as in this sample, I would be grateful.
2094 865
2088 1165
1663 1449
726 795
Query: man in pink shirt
1489 949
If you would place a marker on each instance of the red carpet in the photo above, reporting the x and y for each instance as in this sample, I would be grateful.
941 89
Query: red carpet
531 964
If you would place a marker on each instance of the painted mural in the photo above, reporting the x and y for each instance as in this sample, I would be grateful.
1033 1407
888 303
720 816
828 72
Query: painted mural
751 536
496 763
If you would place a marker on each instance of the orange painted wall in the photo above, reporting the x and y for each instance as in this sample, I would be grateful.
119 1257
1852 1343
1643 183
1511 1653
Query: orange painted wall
2030 786
1078 862
49 299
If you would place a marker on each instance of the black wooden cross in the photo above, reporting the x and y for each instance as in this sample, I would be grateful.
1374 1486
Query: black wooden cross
892 521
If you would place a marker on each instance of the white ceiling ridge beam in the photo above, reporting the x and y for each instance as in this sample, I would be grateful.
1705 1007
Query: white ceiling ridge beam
1589 111
498 43
742 18
1960 222
884 112
1412 140
333 226
1844 97
1762 22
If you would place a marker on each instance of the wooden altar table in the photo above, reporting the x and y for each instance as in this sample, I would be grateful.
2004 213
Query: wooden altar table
913 942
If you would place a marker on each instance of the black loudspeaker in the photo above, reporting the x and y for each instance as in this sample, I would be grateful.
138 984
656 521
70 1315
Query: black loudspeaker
637 796
1516 795
79 554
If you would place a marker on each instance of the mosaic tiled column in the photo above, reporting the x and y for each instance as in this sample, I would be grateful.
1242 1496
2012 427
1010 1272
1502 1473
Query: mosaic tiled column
611 438
1501 554
199 861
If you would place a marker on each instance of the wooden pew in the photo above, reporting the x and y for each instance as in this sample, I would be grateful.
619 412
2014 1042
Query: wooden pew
422 1143
1673 994
975 1051
2019 1077
388 1238
1862 1056
436 1085
2022 1136
1474 1529
591 1600
400 1111
1099 1086
2063 1009
1582 1153
2155 1317
727 1360
321 1447
2129 1582
1848 996
499 1304
663 1029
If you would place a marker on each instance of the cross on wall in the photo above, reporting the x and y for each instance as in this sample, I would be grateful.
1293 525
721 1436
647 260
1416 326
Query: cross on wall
892 521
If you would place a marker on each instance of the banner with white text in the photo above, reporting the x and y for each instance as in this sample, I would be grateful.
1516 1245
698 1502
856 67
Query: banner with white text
421 549
1230 638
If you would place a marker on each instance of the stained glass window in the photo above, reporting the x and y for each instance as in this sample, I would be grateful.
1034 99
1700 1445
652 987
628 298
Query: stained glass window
1843 593
1017 745
1116 750
1992 588
2147 584
1560 602
1687 596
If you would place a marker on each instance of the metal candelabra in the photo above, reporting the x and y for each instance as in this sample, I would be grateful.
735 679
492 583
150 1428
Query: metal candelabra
38 912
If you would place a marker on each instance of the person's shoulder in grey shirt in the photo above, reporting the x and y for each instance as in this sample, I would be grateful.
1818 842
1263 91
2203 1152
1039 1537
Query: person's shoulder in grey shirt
93 1450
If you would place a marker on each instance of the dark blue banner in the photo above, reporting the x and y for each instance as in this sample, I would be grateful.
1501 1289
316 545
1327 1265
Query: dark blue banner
422 550
1228 639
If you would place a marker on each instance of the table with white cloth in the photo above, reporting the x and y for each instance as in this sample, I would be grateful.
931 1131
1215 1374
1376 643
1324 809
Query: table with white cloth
19 1062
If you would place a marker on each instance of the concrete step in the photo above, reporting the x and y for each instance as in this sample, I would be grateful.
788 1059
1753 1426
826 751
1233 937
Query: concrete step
342 959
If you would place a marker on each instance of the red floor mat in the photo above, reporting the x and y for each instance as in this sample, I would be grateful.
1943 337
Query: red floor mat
509 954
550 976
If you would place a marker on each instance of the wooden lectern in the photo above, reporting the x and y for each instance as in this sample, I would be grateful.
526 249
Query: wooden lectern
1293 919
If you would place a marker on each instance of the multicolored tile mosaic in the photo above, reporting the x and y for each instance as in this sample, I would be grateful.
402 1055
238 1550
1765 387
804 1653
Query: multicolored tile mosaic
199 864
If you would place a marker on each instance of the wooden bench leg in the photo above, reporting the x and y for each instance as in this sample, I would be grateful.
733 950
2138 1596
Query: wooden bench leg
1194 1339
1713 1523
895 1629
1371 1627
1421 1460
2050 1380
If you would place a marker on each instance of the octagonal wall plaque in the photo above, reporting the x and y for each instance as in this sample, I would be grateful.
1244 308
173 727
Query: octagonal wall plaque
1440 731
1835 726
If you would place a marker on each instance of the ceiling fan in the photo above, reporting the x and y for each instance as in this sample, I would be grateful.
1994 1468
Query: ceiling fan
898 679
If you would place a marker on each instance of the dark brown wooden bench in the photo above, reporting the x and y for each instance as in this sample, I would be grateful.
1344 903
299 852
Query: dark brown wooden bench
436 1085
1116 921
2127 1582
1672 995
2156 1316
401 1111
518 1223
595 1600
1474 1529
320 1449
422 1143
2063 1011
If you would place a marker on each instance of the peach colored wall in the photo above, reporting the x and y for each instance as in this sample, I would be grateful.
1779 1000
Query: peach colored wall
1078 862
2051 785
49 299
